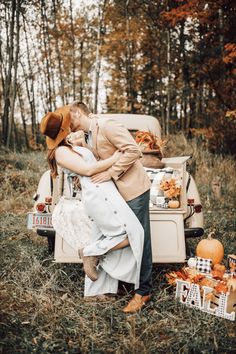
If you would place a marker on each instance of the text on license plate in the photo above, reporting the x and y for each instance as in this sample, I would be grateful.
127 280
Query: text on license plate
39 221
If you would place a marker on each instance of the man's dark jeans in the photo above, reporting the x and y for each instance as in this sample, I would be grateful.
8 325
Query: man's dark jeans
140 206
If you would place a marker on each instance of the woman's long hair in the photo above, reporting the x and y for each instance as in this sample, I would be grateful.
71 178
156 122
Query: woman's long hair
52 160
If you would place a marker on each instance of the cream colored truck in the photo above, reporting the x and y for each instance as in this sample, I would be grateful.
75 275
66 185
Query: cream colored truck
169 227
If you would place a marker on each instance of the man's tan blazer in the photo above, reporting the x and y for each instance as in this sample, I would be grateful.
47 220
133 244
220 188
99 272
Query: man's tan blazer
128 173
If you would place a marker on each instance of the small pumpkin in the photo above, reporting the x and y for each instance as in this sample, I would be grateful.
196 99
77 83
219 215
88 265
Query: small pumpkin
192 262
173 204
219 267
210 248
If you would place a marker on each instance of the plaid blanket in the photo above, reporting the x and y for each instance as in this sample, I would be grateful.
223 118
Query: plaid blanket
203 265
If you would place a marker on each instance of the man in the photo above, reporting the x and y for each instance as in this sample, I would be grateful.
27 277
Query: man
104 138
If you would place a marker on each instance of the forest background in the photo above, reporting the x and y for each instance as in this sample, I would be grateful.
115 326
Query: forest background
174 60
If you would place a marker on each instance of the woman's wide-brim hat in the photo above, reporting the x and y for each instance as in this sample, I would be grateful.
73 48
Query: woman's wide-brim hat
56 126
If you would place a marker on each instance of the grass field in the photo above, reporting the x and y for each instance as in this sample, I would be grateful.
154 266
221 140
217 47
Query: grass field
41 303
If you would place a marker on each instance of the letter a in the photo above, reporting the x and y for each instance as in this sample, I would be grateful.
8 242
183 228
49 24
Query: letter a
194 297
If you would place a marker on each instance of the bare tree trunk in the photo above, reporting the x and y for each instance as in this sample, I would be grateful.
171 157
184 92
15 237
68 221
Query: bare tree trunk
42 85
16 142
97 74
197 108
168 106
8 80
131 92
62 89
162 91
30 90
48 81
2 78
128 58
186 92
98 55
81 88
163 111
173 130
14 83
191 110
73 51
183 111
22 110
47 50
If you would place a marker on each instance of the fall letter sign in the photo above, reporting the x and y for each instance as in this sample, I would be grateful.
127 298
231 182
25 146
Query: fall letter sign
189 294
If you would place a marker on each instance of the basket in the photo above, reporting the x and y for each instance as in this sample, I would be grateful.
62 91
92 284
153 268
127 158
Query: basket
152 158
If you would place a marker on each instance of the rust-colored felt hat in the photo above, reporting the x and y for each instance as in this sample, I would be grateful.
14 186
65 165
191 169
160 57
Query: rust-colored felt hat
56 126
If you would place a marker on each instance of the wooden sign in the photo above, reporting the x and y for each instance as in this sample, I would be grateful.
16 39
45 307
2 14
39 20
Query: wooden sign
189 294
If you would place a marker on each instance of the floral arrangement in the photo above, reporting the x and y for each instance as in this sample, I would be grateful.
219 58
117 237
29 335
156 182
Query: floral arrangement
149 141
219 281
171 188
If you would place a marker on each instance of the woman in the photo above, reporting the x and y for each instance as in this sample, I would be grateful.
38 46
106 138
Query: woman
115 251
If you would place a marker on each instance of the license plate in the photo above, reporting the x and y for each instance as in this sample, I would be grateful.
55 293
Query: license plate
39 221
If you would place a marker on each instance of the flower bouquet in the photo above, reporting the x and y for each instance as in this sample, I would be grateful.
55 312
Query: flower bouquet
171 188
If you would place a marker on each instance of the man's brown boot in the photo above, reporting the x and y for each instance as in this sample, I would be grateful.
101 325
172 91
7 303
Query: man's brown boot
136 303
90 265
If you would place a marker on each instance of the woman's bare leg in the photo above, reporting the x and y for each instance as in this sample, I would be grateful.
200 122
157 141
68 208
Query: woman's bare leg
120 245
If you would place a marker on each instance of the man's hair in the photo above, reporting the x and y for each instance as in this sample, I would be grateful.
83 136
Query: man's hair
82 107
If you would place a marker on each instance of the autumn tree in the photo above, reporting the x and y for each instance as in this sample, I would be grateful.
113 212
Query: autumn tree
214 88
172 59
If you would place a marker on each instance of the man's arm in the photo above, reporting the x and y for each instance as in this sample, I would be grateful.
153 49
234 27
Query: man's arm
121 138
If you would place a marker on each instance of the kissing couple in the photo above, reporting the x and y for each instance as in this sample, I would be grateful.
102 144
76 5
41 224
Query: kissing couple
115 193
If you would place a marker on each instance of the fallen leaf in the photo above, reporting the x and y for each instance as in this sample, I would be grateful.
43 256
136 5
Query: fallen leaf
221 287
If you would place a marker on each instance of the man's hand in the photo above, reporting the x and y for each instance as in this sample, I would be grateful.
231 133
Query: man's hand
101 177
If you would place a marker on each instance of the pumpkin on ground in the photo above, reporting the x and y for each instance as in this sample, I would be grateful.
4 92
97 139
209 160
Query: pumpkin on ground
210 248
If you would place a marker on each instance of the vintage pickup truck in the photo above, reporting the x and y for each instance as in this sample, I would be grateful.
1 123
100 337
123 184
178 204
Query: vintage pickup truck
169 226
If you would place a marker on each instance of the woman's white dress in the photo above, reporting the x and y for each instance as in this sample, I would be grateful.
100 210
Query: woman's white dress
106 222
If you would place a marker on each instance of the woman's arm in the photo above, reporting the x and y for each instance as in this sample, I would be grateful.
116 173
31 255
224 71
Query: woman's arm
66 158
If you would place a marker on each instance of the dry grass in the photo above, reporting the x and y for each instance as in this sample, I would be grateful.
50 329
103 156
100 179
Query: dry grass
41 303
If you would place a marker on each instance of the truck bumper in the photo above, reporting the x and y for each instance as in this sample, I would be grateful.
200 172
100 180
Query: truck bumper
193 232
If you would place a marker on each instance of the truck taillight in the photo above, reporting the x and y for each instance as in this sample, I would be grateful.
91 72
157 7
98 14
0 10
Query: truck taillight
48 200
41 207
198 208
190 201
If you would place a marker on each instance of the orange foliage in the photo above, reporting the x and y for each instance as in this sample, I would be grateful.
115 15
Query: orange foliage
221 287
221 284
149 140
230 55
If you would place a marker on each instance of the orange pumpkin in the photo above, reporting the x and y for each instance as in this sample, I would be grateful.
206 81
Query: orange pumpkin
219 267
210 248
173 204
